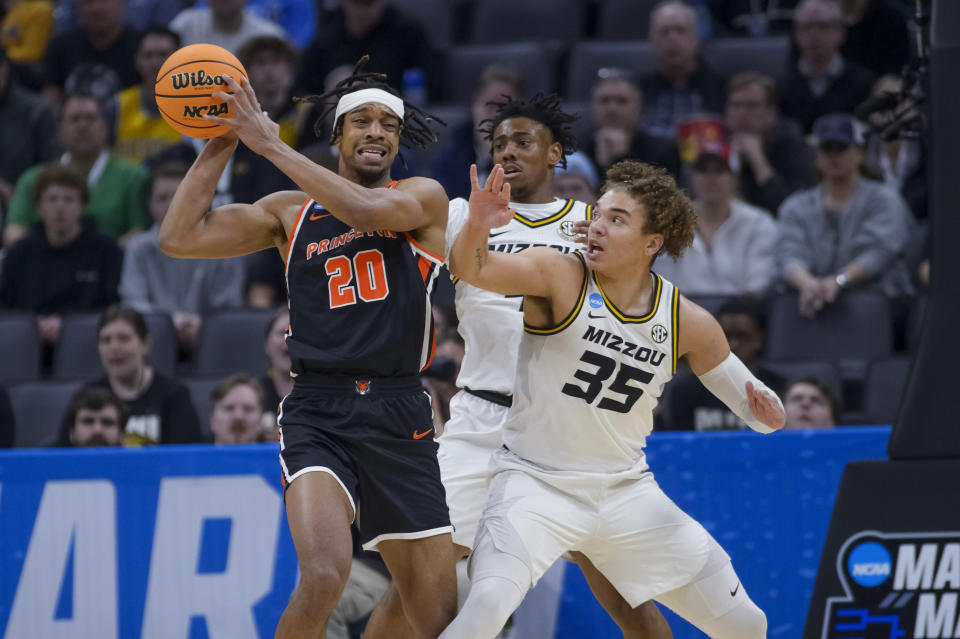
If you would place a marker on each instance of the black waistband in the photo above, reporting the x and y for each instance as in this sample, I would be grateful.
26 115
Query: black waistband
497 398
358 384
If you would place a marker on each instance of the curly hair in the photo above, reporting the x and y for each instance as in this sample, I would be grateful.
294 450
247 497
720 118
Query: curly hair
415 131
541 108
668 210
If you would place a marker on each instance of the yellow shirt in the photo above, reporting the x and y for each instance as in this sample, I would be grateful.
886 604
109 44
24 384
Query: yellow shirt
139 133
26 30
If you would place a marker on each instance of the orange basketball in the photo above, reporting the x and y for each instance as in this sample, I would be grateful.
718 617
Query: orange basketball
186 84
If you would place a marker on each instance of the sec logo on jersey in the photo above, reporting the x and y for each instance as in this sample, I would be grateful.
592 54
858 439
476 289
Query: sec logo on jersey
658 333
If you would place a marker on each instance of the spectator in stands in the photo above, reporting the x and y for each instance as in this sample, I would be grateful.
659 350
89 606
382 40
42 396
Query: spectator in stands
224 23
277 383
466 145
683 85
236 417
870 22
367 27
25 33
8 428
103 40
821 80
27 136
809 403
64 264
185 289
579 181
847 232
160 408
754 18
271 65
140 131
441 378
732 251
116 187
616 108
688 405
900 163
95 417
770 155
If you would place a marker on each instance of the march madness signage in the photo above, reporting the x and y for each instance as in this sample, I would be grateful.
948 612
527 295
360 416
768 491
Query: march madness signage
896 585
890 568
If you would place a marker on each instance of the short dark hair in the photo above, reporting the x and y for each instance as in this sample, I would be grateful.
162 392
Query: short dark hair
744 305
95 398
269 44
750 78
668 210
158 30
83 94
119 312
227 384
832 400
542 108
60 175
172 170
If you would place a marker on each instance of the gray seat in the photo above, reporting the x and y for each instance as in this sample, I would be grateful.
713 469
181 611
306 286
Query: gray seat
78 357
512 20
38 411
853 330
826 372
200 389
20 346
232 342
729 56
466 63
435 16
587 58
624 19
886 379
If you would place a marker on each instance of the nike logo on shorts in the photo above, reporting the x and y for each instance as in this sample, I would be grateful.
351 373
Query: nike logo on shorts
419 435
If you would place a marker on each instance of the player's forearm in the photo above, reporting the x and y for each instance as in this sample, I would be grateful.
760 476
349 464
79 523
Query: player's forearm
470 253
193 198
358 206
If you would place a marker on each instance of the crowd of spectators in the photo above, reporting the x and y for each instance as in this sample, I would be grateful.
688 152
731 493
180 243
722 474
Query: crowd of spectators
793 194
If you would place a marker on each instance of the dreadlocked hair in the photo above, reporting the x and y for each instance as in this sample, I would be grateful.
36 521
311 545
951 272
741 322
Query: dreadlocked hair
668 209
541 108
415 131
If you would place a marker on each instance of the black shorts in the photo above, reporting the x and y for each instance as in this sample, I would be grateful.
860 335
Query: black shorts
375 437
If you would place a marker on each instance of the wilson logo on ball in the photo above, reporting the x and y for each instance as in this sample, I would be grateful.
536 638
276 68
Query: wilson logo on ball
196 79
200 111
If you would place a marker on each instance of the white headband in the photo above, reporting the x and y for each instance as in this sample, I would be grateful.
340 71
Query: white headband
351 101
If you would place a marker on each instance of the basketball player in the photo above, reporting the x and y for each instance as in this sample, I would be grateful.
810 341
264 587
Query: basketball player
361 259
602 334
529 138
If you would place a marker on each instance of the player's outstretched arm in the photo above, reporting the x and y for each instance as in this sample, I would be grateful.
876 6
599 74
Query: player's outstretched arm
705 346
531 272
364 209
191 230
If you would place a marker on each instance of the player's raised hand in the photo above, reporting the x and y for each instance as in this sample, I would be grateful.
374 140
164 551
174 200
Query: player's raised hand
580 229
490 203
249 121
766 407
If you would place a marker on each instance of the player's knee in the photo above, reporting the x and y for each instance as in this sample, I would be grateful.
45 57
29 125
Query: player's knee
746 621
321 581
755 623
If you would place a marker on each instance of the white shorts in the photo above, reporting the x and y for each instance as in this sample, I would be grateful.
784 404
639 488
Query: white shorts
469 438
632 532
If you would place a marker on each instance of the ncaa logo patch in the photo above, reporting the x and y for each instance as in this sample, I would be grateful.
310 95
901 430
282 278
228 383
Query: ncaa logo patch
596 301
658 333
565 230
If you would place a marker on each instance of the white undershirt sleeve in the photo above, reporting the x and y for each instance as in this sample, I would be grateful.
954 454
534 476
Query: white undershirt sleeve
728 381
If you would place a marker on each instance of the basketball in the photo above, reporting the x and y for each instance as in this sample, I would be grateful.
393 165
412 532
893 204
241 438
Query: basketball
186 84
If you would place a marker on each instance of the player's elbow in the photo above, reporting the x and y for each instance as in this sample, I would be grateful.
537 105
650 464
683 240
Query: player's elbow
169 243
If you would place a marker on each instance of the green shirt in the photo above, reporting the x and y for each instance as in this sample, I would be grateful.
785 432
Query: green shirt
117 199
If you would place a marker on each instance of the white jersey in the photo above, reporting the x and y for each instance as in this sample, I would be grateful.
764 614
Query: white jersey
586 388
491 324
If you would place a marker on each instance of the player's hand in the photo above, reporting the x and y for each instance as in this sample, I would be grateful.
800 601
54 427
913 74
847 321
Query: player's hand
765 407
490 203
580 230
249 121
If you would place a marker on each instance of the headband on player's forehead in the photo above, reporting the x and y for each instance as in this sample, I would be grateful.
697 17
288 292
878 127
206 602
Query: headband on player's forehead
351 101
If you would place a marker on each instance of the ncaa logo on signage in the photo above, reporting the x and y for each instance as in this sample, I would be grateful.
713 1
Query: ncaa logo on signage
658 333
869 564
